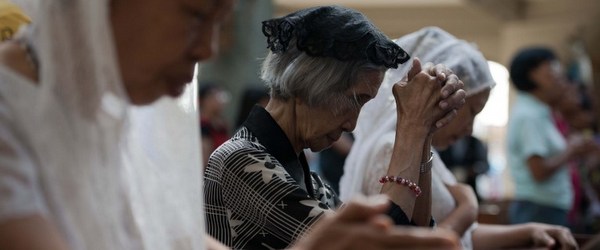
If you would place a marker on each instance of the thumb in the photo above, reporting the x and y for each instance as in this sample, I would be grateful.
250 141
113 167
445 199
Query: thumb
415 69
544 240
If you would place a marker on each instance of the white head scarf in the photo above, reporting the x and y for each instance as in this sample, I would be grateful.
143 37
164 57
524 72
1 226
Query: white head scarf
111 176
378 117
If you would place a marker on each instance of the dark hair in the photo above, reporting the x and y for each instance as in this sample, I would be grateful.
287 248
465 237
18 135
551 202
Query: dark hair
526 61
206 89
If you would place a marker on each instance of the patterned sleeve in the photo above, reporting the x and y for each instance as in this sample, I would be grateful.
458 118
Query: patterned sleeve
265 206
19 193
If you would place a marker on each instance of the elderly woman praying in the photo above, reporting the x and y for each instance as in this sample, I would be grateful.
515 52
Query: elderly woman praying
324 64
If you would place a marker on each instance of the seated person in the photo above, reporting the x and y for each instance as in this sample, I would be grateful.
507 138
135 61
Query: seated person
325 63
454 205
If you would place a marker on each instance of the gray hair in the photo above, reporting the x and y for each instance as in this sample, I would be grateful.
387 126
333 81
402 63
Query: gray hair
316 80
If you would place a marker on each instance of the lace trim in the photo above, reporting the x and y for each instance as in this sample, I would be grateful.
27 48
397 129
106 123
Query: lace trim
335 32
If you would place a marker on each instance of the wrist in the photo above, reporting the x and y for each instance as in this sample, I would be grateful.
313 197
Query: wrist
413 129
526 232
426 165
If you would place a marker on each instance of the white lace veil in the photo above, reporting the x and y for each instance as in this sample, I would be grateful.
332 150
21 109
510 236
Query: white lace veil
378 116
112 176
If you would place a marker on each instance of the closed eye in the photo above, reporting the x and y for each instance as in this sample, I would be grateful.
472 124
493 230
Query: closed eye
363 98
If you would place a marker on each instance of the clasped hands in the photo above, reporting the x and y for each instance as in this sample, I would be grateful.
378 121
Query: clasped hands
428 97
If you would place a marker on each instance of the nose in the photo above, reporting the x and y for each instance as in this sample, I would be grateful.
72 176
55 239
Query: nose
350 124
206 43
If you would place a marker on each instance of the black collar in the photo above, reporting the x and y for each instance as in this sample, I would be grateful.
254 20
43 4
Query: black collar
271 136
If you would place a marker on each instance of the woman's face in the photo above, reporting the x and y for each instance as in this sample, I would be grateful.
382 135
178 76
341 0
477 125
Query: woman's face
215 101
550 81
158 42
462 125
318 127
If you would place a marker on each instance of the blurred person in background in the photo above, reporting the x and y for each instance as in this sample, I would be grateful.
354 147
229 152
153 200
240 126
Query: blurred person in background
575 119
215 130
538 154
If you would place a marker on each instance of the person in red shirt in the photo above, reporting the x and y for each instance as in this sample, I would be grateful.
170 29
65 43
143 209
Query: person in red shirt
214 127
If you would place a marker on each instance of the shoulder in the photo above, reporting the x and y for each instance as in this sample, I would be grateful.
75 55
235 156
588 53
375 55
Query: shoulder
523 120
241 150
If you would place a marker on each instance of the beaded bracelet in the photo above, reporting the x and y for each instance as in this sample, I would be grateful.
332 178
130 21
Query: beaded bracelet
411 185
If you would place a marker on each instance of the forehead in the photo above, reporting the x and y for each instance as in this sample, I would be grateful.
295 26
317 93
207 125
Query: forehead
368 82
549 66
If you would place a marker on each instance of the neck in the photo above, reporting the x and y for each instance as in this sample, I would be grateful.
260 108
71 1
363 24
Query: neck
539 94
284 113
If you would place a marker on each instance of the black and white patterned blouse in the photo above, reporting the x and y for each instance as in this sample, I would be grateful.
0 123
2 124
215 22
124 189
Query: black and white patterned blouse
259 193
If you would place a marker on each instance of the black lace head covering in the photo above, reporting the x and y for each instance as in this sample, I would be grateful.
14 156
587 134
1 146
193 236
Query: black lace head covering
333 31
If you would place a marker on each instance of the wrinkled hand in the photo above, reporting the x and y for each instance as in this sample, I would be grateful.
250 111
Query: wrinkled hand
430 96
452 93
361 225
551 236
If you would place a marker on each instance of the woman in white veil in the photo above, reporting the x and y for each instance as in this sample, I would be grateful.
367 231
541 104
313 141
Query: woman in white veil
454 205
379 119
430 45
75 155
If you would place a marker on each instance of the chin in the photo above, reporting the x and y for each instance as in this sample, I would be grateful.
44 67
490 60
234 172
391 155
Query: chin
142 100
319 148
143 97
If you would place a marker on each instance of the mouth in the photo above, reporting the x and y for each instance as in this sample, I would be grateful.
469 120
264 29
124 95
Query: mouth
334 138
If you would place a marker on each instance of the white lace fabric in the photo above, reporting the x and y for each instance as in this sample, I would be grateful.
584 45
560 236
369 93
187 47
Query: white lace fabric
109 175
